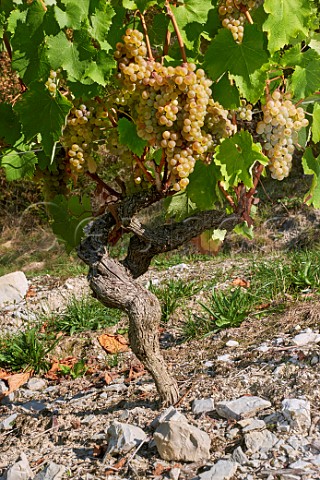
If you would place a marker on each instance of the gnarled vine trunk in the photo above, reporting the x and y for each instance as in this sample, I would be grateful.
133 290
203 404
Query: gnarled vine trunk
114 284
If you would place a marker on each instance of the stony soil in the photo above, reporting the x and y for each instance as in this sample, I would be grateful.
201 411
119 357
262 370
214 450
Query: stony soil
66 422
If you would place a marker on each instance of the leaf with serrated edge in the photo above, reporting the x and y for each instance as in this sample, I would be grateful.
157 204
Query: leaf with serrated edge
71 17
243 60
286 20
18 165
101 22
316 123
63 53
311 166
305 79
128 136
39 112
202 187
179 206
236 157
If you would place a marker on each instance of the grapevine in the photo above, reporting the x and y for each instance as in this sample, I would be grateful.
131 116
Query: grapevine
235 14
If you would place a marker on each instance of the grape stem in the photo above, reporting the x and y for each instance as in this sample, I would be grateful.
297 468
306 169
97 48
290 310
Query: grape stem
166 45
243 9
139 161
146 36
227 196
176 29
103 185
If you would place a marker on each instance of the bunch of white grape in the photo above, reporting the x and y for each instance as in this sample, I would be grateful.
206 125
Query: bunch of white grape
86 125
244 112
279 130
171 106
233 17
52 82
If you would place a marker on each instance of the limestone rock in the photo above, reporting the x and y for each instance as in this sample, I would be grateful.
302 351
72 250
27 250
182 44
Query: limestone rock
13 287
203 405
304 338
222 470
7 423
123 437
249 424
20 470
297 411
36 384
53 471
260 441
239 456
241 407
169 413
181 442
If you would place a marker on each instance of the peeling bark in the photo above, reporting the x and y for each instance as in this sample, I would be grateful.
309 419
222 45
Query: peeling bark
113 282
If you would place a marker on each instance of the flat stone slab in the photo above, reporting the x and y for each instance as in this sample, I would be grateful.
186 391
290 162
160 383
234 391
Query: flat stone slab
241 407
123 437
202 405
13 288
297 411
222 470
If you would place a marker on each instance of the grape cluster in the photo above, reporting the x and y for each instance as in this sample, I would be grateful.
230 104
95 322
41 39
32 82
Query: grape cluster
279 130
9 81
244 112
55 178
86 125
171 106
52 82
233 17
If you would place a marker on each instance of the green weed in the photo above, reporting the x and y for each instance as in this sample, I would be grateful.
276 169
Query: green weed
84 314
79 369
26 350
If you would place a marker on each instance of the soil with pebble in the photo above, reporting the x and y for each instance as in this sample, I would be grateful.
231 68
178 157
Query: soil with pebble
249 406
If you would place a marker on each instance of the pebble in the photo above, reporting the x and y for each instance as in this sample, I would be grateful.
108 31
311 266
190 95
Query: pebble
260 441
239 456
202 405
123 437
53 471
249 424
7 423
36 384
222 470
180 441
3 388
174 473
232 343
20 470
241 407
13 288
297 411
305 338
225 358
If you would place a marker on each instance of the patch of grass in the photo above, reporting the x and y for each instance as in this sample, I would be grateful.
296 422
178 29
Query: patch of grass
172 292
27 350
84 314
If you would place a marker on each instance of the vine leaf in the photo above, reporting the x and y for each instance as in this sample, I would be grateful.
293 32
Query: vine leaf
9 124
225 93
311 166
18 165
287 19
179 206
202 189
243 60
65 54
305 79
39 112
101 22
316 123
71 17
236 157
101 70
128 136
69 217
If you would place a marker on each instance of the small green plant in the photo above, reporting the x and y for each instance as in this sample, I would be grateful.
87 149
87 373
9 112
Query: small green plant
27 350
170 294
305 271
226 309
79 369
83 314
113 360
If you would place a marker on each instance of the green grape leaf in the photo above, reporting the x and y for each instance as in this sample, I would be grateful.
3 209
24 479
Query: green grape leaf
101 22
35 16
315 123
202 189
64 53
243 60
311 166
141 5
236 157
128 136
305 79
69 217
71 17
158 29
18 165
191 15
225 93
179 206
286 20
102 68
9 124
39 112
244 230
